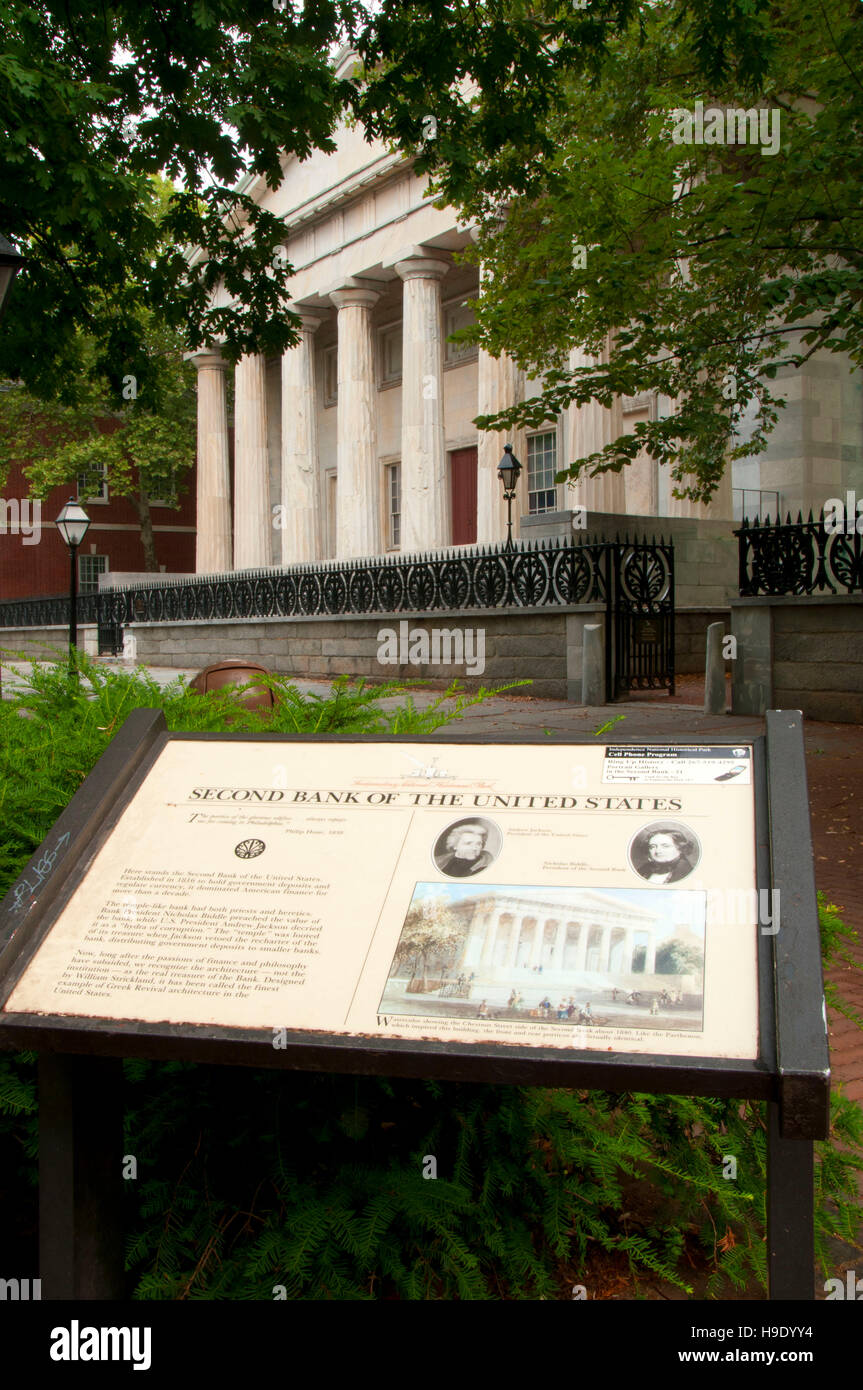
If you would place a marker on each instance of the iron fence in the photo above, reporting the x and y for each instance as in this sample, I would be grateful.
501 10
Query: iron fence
633 580
799 557
535 574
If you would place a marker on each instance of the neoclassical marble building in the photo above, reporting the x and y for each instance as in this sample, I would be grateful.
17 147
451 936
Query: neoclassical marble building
360 440
584 932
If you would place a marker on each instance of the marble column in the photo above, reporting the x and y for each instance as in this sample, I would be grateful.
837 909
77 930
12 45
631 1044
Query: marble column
213 550
536 945
487 957
628 951
719 508
559 946
588 429
605 948
499 385
512 945
358 526
302 534
581 957
650 955
424 499
252 515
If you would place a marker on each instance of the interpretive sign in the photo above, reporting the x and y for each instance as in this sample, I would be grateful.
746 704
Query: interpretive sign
622 916
477 894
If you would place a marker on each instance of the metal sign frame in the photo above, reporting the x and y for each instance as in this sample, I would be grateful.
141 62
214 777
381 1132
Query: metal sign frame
80 1241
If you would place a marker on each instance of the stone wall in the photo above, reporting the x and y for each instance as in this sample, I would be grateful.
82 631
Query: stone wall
799 653
690 637
38 643
538 644
533 644
705 552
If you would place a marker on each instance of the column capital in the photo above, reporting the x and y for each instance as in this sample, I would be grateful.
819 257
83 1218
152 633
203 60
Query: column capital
421 268
310 319
476 230
207 358
355 292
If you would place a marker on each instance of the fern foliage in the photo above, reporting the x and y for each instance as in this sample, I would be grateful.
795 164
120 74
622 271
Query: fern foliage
263 1184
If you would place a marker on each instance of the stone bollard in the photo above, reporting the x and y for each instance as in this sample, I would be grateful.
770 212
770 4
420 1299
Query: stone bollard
714 675
593 666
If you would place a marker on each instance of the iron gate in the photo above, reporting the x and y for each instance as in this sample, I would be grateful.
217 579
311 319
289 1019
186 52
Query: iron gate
109 629
639 650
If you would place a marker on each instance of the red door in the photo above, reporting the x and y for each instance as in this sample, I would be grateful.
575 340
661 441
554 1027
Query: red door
463 471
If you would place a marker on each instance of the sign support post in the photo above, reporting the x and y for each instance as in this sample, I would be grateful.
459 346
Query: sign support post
80 1177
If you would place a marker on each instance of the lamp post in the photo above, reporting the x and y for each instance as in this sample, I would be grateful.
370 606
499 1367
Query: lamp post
10 264
72 523
509 472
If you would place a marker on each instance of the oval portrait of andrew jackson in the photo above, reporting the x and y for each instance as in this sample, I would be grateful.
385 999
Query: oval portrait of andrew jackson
467 846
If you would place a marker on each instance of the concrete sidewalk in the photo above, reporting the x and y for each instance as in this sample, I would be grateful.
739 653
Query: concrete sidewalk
511 711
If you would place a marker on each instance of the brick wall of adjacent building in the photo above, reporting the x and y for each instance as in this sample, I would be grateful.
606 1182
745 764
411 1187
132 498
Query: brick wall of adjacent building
28 569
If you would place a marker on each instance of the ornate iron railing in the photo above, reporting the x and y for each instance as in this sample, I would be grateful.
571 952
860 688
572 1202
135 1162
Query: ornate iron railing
632 580
47 612
800 557
535 574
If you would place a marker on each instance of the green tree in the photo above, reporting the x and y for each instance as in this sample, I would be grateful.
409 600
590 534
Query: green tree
143 448
679 958
216 95
431 931
697 258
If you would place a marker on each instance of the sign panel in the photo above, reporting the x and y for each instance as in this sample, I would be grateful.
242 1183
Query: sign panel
459 892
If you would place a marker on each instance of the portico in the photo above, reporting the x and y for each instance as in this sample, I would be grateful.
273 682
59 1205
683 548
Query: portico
539 943
360 440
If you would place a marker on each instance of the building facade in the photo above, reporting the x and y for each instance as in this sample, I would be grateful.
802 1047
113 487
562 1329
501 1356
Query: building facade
34 559
360 440
595 935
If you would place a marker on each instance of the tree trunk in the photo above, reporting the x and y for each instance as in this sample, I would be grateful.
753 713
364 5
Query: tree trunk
141 502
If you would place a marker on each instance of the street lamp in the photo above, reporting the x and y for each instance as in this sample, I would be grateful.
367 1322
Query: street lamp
72 523
10 264
509 472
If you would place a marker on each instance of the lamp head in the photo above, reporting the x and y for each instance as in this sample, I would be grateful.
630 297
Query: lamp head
73 523
509 469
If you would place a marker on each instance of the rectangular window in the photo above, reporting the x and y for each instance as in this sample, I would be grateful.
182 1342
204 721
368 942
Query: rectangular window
89 569
754 504
394 505
458 316
330 364
391 355
93 485
541 468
